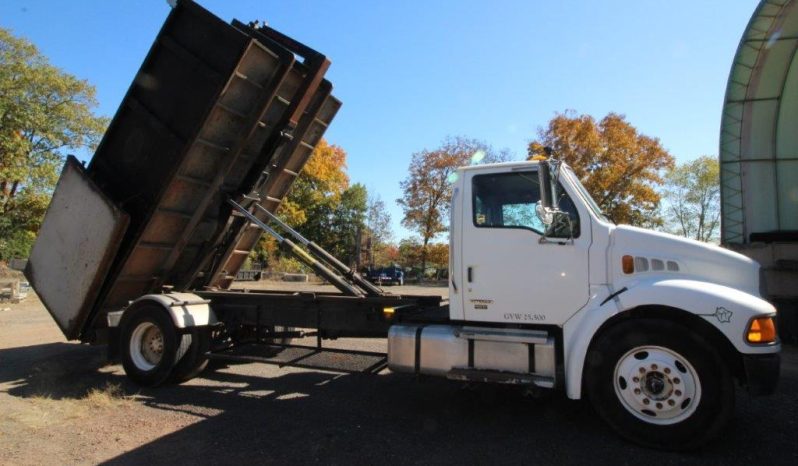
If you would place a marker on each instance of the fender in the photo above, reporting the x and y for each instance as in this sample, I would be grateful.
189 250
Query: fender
186 309
578 332
727 309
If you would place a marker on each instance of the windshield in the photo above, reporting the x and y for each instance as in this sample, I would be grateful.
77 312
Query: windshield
583 192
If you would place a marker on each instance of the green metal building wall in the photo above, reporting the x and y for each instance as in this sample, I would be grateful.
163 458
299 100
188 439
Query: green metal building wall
759 155
759 128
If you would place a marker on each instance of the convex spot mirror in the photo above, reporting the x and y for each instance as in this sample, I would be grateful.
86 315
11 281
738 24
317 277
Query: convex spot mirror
545 214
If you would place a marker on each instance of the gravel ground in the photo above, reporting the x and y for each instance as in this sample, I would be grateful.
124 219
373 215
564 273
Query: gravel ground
61 403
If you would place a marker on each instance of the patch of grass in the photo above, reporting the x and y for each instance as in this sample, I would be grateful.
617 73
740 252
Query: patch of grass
40 411
108 396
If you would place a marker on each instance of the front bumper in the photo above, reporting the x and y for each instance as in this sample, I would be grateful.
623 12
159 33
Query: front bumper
762 372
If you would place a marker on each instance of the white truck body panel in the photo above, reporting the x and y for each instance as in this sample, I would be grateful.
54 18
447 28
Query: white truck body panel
185 309
516 277
456 284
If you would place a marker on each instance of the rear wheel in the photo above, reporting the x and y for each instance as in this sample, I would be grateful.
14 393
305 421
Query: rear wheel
150 345
659 384
195 358
283 340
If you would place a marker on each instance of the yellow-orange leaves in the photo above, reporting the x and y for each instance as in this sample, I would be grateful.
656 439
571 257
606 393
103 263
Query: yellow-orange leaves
619 166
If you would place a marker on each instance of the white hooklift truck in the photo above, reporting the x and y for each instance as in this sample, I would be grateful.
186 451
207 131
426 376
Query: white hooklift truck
139 250
544 291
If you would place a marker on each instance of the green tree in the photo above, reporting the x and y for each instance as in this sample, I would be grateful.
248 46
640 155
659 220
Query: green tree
334 224
619 166
378 229
43 113
347 222
323 207
427 190
692 199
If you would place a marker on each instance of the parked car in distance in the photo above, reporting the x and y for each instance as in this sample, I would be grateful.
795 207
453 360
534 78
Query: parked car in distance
387 275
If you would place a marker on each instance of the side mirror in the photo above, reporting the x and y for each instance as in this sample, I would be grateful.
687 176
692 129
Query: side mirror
561 228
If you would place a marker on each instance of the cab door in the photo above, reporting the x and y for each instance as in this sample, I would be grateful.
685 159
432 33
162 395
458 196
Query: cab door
510 271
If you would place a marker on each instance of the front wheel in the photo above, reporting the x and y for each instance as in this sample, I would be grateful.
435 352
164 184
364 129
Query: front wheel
659 384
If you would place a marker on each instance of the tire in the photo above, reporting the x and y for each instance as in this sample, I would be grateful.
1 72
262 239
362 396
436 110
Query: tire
195 358
278 343
659 384
283 340
150 346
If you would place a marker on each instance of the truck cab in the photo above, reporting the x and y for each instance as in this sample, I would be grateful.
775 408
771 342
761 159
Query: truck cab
653 328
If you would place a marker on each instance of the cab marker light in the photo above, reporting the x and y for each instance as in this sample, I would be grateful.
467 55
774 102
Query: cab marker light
628 264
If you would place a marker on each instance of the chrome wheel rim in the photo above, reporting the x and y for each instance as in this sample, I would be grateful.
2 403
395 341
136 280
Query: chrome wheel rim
146 346
657 385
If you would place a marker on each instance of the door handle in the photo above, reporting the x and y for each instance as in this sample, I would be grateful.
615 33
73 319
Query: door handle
470 274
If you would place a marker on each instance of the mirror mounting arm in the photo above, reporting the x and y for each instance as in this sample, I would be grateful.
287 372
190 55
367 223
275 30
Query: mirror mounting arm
558 216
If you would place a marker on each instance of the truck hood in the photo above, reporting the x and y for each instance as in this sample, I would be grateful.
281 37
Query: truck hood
694 259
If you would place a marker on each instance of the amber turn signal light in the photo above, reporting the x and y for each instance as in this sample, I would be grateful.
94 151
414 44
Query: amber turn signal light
761 330
628 264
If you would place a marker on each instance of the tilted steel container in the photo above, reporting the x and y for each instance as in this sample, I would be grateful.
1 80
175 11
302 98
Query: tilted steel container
217 111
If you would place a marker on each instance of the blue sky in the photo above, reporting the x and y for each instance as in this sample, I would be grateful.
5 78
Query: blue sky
410 73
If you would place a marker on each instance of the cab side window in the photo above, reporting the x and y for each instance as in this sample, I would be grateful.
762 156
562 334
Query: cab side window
508 200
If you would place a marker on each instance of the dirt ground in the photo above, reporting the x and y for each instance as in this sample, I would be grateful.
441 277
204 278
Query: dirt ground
62 403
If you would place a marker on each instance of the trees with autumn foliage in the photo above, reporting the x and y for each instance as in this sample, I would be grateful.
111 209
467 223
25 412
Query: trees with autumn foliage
43 113
426 191
438 257
410 253
319 187
619 166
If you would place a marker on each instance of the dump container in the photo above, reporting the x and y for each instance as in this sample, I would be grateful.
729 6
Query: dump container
217 111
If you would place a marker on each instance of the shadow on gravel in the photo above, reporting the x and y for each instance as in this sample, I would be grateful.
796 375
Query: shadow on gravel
316 416
53 370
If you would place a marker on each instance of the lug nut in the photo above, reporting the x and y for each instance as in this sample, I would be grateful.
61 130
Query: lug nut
678 392
659 405
646 401
667 370
676 380
636 379
653 367
671 402
637 391
642 370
